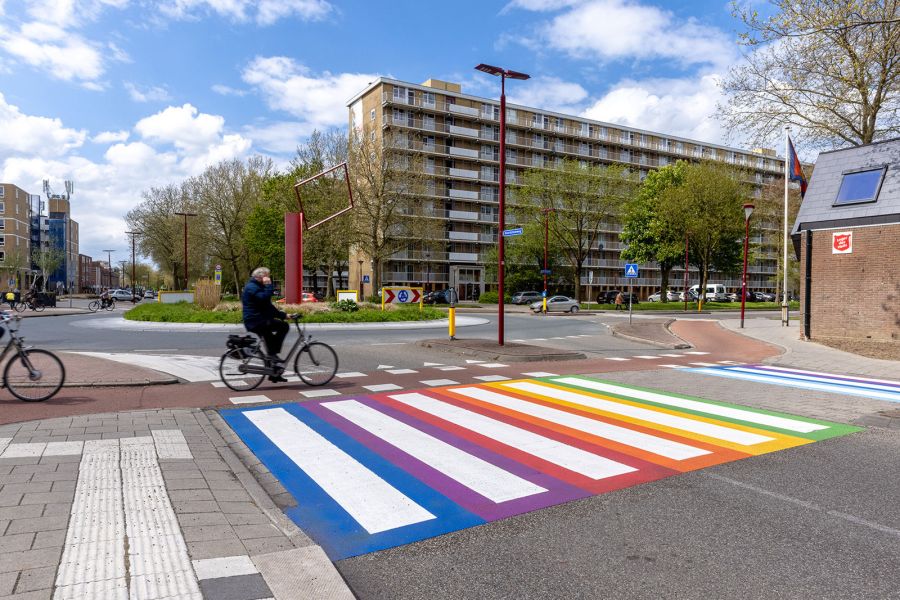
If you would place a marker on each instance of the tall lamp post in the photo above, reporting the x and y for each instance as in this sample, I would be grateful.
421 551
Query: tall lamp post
362 290
108 268
427 256
501 267
748 210
546 270
133 235
186 215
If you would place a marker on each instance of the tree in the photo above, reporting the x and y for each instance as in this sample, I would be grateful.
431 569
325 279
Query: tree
16 260
646 230
48 260
829 68
581 200
768 222
707 207
163 231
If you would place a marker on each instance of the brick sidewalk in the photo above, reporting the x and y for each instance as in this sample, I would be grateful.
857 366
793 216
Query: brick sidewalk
162 487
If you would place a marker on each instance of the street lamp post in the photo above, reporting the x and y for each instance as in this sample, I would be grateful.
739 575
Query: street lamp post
362 290
501 267
133 235
108 268
546 212
186 215
748 210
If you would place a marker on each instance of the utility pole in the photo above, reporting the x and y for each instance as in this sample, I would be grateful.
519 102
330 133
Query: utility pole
186 215
133 235
109 267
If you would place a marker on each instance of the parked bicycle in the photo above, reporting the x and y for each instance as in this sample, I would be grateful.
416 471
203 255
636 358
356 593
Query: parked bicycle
98 304
32 375
244 366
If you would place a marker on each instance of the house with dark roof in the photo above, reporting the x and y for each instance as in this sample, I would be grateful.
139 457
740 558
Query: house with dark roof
847 238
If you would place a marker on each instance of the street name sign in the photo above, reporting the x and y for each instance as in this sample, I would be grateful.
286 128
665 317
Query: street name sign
512 232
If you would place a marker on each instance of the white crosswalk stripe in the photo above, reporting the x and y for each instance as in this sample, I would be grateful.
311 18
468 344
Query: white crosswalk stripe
491 378
319 393
383 387
249 399
436 382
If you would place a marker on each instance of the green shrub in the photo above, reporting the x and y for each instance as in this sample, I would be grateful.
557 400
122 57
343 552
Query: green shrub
374 299
345 306
493 298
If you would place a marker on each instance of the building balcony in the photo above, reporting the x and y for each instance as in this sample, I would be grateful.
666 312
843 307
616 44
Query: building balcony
464 194
471 257
462 215
463 173
466 236
457 130
463 110
468 153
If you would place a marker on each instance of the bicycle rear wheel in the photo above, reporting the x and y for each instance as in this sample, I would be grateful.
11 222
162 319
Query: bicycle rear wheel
20 306
94 306
111 306
34 375
316 363
232 370
37 306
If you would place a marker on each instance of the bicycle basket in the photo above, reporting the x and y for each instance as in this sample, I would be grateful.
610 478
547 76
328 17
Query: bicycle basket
241 341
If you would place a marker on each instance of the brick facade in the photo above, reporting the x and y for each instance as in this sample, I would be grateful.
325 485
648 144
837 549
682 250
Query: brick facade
857 295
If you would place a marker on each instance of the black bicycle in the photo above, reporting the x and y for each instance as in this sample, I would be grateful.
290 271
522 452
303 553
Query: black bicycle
244 365
98 304
32 303
32 375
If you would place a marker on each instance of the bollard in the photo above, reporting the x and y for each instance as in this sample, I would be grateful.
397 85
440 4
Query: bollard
452 322
544 305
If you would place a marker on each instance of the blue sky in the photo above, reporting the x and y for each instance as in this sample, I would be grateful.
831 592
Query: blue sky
122 95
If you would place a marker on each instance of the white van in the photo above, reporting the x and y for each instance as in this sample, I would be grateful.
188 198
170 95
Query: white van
715 292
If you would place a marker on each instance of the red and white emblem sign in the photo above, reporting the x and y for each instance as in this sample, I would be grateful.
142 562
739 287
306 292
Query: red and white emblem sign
842 242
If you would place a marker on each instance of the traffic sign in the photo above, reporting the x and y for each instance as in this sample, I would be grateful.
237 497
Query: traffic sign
631 270
218 267
402 295
512 232
545 271
365 279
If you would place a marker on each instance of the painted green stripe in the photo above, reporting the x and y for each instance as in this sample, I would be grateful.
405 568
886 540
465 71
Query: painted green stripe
834 429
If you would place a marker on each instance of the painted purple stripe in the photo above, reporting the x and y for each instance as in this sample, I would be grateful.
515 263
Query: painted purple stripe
557 491
828 376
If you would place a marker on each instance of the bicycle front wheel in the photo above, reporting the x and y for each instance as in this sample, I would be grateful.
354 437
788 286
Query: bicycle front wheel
233 370
316 363
94 306
111 306
34 375
37 307
20 306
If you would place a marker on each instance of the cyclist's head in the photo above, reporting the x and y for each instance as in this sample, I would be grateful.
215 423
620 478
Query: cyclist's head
260 272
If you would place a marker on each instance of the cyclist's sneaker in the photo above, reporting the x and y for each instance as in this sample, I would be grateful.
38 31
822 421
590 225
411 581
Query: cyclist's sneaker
277 379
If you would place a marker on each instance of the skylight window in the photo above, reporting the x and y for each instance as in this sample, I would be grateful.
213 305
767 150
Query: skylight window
860 186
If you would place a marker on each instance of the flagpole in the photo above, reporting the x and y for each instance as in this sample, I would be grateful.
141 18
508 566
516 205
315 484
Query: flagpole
784 266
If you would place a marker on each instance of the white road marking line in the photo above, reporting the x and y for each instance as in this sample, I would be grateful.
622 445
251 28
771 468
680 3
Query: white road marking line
434 382
372 502
63 448
491 378
24 450
227 566
400 371
219 384
557 338
540 374
622 435
493 365
350 374
828 379
170 444
799 383
382 367
430 364
573 336
702 407
719 432
187 367
249 399
319 393
567 457
704 364
697 353
388 344
616 358
518 341
538 339
675 366
477 474
672 355
451 368
156 350
646 357
4 442
893 382
474 362
728 362
383 387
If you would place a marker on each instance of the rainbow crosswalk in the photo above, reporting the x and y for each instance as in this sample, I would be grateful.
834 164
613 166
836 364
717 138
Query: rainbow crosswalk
878 389
371 472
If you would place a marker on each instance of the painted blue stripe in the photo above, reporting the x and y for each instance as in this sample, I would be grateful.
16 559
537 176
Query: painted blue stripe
323 519
799 383
859 383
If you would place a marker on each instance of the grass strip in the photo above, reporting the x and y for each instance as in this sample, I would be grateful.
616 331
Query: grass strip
184 312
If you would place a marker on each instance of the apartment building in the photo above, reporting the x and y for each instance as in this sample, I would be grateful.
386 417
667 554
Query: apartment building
63 235
457 136
15 236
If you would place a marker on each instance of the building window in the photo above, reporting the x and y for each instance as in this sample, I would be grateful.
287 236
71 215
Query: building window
2 207
2 224
428 99
2 192
2 240
372 114
2 256
860 186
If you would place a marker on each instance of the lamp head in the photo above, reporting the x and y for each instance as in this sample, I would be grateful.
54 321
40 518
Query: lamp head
748 210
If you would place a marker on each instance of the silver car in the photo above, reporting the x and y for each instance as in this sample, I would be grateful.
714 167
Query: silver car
557 304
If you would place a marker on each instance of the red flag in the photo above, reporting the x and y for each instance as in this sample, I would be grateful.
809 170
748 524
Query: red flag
795 171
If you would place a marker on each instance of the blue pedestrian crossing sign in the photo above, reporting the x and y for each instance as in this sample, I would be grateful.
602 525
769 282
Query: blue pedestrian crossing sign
365 279
631 270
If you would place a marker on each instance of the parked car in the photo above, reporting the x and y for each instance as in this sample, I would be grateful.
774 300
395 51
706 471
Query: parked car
525 297
437 297
671 296
715 292
556 304
149 294
609 297
692 296
308 297
120 295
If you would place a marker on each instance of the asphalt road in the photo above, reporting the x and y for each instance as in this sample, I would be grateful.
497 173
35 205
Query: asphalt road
818 521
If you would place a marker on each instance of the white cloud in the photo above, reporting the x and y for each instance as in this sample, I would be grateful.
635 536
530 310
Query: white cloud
107 137
317 100
184 126
625 29
549 93
224 90
682 107
62 54
539 5
278 138
149 94
264 12
28 134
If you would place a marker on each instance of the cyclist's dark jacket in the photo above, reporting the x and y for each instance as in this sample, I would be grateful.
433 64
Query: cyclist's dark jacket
258 307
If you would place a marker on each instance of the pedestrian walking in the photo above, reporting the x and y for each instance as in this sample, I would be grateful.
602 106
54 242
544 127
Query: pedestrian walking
620 301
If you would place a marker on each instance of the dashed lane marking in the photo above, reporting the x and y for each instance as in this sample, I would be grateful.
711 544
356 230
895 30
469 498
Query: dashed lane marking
437 382
249 399
319 393
400 371
382 387
540 374
491 378
646 357
349 374
493 365
454 368
616 358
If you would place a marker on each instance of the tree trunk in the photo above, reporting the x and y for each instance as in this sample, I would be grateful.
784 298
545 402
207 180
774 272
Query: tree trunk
578 268
664 283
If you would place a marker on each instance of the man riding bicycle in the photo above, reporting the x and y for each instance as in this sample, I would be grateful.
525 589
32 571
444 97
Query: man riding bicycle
105 298
263 318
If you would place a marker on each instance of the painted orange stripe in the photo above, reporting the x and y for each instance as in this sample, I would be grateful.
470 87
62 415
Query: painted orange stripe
717 455
779 442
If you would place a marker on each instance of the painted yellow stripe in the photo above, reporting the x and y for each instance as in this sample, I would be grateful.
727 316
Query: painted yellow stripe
778 441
